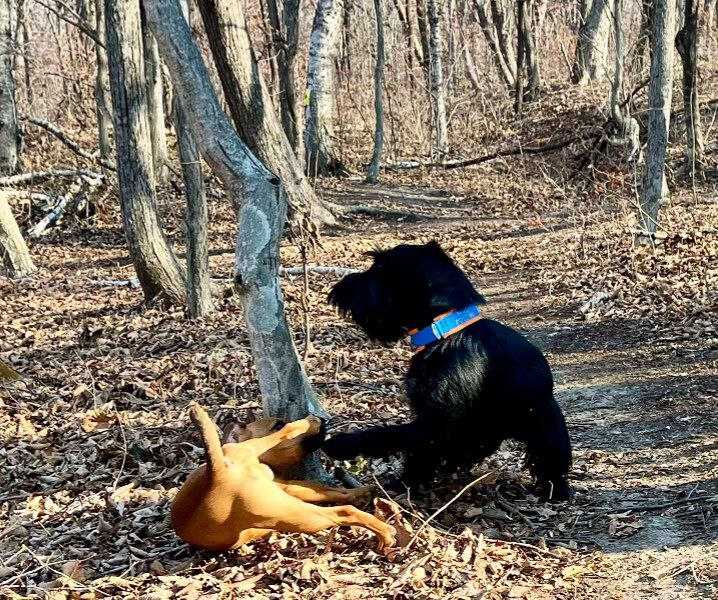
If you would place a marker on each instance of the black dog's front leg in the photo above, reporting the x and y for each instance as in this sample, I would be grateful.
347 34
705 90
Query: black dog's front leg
377 441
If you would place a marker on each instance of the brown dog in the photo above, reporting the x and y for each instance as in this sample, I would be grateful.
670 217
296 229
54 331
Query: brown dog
234 499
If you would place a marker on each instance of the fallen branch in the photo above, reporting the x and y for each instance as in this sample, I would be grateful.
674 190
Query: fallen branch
69 142
49 218
44 175
31 196
388 212
519 150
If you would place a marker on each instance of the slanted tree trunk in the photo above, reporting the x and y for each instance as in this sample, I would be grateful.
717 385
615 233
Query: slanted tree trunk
250 104
407 25
259 198
660 89
438 93
627 130
285 42
15 255
423 25
492 39
497 15
199 292
156 265
687 43
531 58
321 152
373 171
592 43
9 131
155 101
103 116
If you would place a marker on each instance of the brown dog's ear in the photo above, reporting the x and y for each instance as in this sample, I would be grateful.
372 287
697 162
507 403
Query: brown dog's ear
235 433
251 417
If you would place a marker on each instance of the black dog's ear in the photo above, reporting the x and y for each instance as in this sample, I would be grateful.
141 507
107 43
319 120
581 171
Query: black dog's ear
437 250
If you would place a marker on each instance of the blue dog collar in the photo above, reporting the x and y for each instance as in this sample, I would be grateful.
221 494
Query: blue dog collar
444 326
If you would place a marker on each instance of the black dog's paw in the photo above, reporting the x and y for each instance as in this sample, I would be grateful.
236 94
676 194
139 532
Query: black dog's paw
343 446
554 491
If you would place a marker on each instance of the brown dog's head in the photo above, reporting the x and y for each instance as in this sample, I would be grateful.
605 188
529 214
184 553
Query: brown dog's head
283 456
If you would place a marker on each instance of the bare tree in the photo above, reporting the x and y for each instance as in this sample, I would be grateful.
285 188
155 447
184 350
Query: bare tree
259 198
103 115
9 130
687 44
285 45
592 43
155 100
373 171
422 23
627 132
436 69
250 105
489 28
321 152
15 254
199 292
156 265
660 90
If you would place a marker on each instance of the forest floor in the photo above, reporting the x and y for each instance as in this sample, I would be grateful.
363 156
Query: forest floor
95 440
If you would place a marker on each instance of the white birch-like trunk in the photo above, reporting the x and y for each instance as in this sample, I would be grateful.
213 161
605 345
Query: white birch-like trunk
373 171
320 148
9 131
436 71
15 254
156 265
261 207
654 192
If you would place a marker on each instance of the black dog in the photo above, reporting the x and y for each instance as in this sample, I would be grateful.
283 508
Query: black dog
469 390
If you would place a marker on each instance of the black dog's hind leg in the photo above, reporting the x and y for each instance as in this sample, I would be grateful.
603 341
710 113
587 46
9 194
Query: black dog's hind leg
548 451
377 441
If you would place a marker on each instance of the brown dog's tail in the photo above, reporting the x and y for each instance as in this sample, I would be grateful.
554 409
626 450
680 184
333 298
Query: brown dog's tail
210 438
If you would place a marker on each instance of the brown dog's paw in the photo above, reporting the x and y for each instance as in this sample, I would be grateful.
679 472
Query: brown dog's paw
315 425
387 543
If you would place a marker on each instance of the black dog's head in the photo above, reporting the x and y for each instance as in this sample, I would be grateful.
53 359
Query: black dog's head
405 288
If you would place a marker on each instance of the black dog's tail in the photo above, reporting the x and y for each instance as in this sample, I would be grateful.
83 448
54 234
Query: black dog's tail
548 450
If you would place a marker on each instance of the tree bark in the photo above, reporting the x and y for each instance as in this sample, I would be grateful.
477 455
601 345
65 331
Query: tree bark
531 50
423 25
491 36
155 100
628 132
156 265
438 95
521 16
497 15
9 130
259 198
592 43
15 254
687 44
660 88
373 171
250 105
199 291
103 116
321 153
407 26
644 35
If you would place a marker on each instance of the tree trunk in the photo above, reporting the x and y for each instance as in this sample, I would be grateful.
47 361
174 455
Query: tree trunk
628 132
423 26
492 38
592 43
199 293
373 171
259 198
156 265
660 89
497 15
285 42
521 17
407 26
155 100
103 116
321 153
438 95
644 36
531 50
15 255
9 131
687 43
250 104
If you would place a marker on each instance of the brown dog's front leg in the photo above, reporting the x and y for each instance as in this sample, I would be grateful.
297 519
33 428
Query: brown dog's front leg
309 491
311 426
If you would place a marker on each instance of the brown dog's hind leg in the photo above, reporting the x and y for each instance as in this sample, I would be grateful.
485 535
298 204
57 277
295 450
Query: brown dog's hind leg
308 491
251 535
311 425
350 515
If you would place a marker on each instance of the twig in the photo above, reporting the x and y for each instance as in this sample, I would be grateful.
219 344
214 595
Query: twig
69 142
49 218
513 510
49 174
